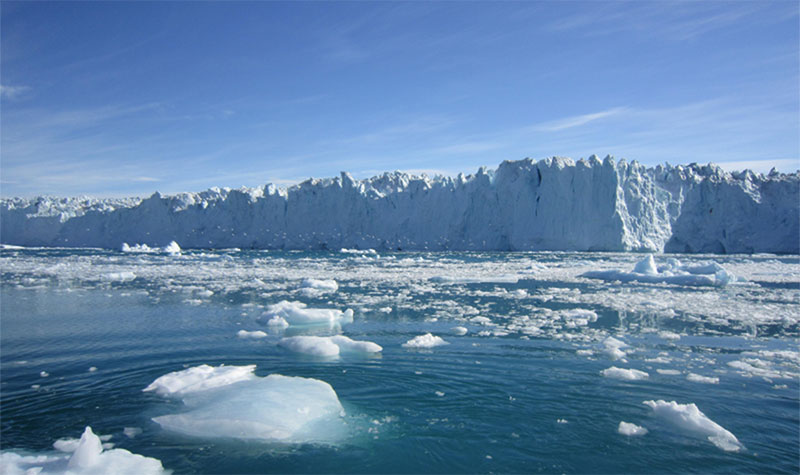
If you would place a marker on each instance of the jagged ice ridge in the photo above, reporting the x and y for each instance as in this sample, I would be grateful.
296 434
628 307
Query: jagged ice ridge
550 204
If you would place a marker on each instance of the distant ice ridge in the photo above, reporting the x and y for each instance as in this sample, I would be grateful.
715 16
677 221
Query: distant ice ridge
232 402
673 272
550 204
86 456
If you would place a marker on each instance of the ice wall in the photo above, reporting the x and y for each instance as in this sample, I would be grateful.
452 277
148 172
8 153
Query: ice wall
551 204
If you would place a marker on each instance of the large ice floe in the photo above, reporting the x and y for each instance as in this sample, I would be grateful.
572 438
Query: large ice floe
298 314
672 272
85 456
232 402
550 204
688 418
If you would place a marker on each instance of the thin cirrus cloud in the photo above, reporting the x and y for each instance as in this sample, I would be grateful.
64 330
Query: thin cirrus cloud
13 92
576 121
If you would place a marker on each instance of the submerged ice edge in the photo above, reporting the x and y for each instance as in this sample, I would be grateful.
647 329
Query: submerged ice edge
519 206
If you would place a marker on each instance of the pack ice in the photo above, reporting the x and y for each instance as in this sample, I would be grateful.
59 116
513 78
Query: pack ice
550 204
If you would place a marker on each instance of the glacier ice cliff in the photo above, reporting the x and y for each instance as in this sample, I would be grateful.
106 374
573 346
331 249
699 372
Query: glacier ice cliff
550 204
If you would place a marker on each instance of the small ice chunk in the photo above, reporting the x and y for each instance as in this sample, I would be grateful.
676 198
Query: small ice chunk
630 429
385 309
562 421
278 322
131 432
584 352
646 266
666 335
460 331
427 340
626 374
668 372
697 378
439 393
92 369
44 374
251 334
689 418
200 378
328 346
613 348
172 248
481 320
319 284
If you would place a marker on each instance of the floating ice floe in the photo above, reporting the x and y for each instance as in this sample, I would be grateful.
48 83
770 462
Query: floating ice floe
668 372
251 334
623 373
358 251
697 378
427 340
613 348
673 272
460 331
172 248
317 287
241 405
630 429
298 313
84 456
328 346
689 418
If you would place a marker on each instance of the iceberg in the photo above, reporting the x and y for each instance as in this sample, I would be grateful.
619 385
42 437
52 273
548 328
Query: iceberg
231 402
427 340
550 204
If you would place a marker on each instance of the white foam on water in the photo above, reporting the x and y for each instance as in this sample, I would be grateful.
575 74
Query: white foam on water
275 408
630 429
83 457
623 373
688 418
427 340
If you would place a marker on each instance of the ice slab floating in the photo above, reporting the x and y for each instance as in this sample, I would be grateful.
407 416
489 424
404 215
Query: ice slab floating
672 272
328 346
689 418
550 204
427 340
298 313
241 405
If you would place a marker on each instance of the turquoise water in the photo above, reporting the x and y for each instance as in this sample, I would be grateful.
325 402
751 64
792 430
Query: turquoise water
512 395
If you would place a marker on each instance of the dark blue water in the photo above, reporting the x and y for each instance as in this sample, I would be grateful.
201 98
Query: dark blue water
512 396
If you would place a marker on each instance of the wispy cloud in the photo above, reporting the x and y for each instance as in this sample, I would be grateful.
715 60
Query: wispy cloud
576 121
13 92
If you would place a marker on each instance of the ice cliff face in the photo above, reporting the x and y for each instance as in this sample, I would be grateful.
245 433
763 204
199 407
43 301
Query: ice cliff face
551 204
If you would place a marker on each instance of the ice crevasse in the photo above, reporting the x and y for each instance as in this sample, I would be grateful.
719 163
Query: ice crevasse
550 204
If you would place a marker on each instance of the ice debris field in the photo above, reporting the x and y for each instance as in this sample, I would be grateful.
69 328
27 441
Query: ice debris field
241 361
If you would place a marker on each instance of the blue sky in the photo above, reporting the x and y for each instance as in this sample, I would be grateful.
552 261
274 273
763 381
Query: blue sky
117 99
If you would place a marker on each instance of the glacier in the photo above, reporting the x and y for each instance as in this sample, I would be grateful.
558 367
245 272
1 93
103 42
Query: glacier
554 204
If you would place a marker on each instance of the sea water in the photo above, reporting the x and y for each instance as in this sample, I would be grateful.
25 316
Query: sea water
527 378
